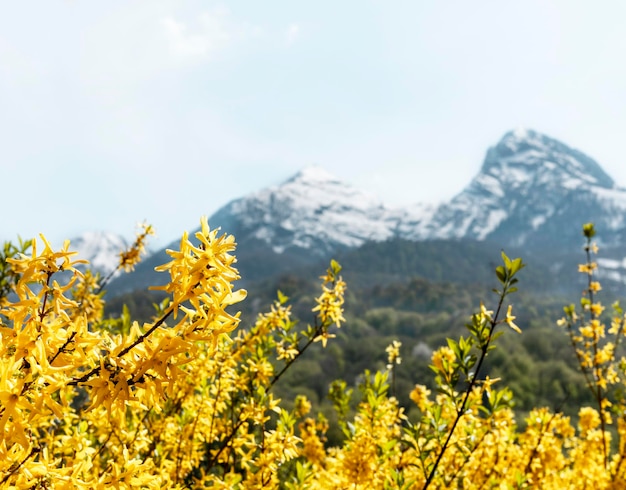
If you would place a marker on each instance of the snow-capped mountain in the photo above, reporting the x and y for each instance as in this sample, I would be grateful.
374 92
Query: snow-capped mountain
307 218
101 249
532 190
313 212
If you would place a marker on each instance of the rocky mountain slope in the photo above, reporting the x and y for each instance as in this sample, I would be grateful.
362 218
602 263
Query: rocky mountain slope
311 211
532 193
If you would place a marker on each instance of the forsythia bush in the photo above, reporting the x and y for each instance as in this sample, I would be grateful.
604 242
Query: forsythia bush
88 402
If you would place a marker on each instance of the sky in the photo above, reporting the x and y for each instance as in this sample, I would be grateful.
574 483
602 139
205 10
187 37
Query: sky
114 113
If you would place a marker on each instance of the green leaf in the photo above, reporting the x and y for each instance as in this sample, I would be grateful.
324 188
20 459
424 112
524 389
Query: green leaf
455 347
501 273
282 299
517 265
506 260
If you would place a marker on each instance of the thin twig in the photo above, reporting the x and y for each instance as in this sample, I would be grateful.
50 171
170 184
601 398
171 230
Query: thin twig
96 370
468 391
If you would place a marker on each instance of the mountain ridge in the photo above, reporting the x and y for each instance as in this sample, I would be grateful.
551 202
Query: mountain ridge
527 186
526 182
531 191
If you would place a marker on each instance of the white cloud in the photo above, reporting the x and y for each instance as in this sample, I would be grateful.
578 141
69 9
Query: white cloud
292 33
124 51
214 31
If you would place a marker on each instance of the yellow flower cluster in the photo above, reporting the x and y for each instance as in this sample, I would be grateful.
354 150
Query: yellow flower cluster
94 403
131 257
88 402
76 396
393 354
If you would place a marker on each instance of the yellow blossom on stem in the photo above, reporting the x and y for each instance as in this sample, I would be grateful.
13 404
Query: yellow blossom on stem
393 354
420 395
443 358
588 419
131 257
596 309
509 320
587 268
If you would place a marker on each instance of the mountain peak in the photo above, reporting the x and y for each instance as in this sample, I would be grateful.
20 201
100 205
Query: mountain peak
532 191
527 150
313 174
524 190
520 136
312 213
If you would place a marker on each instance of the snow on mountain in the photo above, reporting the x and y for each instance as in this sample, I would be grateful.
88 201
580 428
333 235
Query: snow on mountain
531 190
311 211
411 221
612 269
309 217
101 249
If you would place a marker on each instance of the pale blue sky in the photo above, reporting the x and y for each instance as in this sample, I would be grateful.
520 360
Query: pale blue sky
113 112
